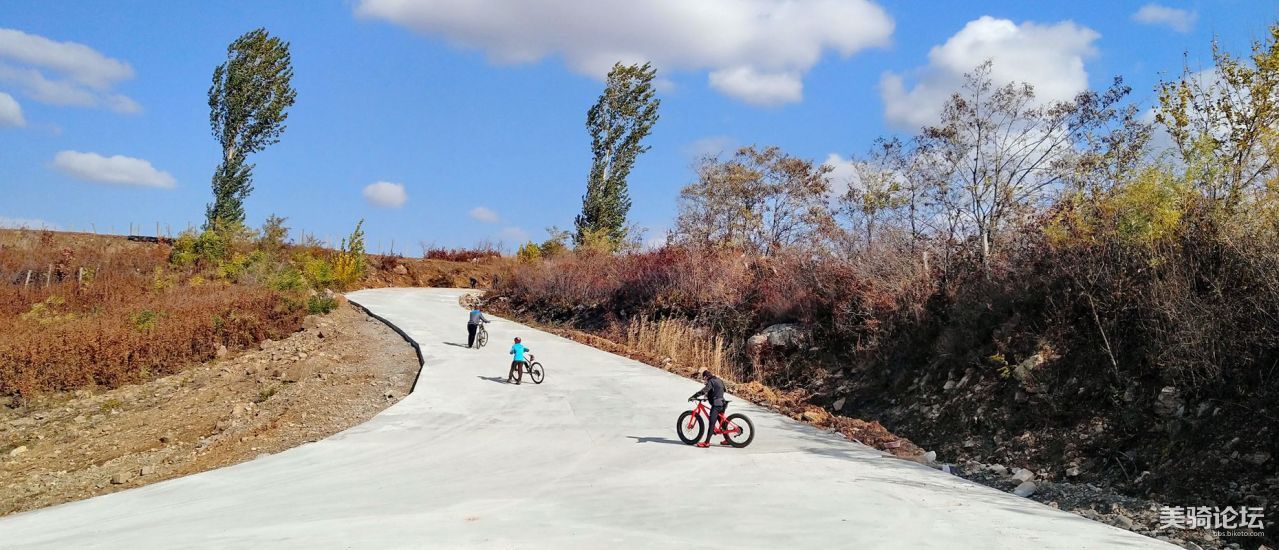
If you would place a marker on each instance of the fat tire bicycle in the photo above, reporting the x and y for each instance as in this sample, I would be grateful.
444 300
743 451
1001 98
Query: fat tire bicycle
691 426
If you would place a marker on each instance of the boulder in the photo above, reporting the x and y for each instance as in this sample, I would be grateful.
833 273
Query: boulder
1023 475
1169 402
221 351
18 450
781 337
839 404
401 270
1026 489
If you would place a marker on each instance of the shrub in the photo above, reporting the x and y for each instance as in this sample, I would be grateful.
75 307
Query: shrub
350 264
529 252
320 305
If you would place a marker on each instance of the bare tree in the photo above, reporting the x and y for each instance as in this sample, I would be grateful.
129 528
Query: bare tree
998 152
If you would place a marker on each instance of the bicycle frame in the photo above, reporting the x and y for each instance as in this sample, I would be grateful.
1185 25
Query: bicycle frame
704 411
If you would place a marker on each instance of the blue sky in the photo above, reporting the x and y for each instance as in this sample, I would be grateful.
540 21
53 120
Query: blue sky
481 103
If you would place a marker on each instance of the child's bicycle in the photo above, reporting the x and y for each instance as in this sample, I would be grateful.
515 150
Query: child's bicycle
481 336
534 369
691 426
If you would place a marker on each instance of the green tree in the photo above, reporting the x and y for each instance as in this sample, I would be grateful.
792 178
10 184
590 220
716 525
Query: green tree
618 123
248 103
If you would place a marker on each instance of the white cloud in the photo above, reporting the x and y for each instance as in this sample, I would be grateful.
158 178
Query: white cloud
483 214
1049 57
386 194
10 111
755 50
843 174
63 73
117 169
26 223
514 235
751 86
1176 19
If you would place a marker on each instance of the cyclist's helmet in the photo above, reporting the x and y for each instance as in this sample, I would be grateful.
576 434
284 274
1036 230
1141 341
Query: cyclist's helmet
517 339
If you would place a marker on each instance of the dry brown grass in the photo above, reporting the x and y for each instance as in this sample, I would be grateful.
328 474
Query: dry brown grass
103 311
684 346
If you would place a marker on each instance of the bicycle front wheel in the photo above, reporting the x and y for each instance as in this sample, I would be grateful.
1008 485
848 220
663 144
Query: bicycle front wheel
740 431
690 427
536 372
481 338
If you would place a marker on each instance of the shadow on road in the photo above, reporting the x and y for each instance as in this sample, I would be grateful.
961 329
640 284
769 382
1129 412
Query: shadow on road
497 379
455 344
655 440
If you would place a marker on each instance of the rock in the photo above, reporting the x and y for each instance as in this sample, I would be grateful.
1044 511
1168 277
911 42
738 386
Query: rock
239 410
1169 402
301 355
1023 475
146 470
998 469
1023 371
1257 458
970 443
949 385
1026 489
1072 471
401 270
1123 522
18 450
782 337
930 457
120 478
221 352
839 404
291 373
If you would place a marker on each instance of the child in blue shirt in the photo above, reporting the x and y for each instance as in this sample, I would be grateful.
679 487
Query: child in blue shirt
517 365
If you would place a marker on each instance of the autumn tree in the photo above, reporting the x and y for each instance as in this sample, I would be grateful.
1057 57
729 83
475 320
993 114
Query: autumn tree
619 121
762 200
248 104
1225 121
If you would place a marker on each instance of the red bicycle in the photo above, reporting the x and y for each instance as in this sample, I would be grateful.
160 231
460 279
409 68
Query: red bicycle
691 426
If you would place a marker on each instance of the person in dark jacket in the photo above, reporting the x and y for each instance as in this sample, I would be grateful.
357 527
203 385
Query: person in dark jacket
714 392
473 324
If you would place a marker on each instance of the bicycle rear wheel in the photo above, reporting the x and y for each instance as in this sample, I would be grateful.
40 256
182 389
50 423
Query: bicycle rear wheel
690 428
536 372
481 337
740 431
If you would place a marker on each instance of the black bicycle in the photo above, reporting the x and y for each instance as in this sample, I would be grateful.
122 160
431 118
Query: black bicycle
534 370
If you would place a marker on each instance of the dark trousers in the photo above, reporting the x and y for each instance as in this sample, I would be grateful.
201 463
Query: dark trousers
517 371
470 335
716 410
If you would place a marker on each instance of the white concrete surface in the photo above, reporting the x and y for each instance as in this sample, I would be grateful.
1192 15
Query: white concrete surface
588 459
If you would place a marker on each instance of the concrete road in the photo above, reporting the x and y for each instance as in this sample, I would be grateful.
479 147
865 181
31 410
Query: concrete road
589 459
